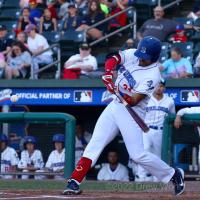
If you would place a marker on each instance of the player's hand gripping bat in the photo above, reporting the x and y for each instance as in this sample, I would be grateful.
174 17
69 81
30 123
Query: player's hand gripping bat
133 114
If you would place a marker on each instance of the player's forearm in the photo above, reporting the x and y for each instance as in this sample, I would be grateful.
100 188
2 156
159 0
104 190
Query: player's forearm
192 110
134 99
112 62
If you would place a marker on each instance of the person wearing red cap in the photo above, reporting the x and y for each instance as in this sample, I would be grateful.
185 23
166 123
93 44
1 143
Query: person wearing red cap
179 36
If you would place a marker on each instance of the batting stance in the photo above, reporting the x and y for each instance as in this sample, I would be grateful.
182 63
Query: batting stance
138 75
158 107
178 122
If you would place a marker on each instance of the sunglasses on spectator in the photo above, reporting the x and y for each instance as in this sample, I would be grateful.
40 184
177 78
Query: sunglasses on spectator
85 49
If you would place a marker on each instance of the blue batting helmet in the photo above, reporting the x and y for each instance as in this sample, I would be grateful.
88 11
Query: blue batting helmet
58 138
3 138
149 48
29 139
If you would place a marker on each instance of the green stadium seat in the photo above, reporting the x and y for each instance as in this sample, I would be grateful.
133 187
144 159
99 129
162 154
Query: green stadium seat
52 37
165 46
147 2
163 56
10 14
10 4
10 25
196 49
195 37
184 20
75 36
101 59
186 48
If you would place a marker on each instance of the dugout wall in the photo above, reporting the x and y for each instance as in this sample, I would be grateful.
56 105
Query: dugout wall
39 118
187 134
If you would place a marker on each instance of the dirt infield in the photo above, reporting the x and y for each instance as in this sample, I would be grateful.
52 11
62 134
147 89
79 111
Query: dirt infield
164 193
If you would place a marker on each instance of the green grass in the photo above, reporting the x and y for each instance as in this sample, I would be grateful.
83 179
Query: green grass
87 185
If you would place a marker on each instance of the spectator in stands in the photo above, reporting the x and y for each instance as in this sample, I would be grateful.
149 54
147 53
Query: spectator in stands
47 23
21 37
82 6
120 20
56 159
180 34
35 12
82 139
25 19
83 62
158 27
129 44
176 66
9 158
52 8
195 13
18 61
71 21
95 15
113 170
5 42
63 8
31 158
36 44
25 3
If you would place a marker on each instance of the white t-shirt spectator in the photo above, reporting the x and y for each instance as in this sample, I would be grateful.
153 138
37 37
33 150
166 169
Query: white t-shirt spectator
37 42
89 60
119 174
9 158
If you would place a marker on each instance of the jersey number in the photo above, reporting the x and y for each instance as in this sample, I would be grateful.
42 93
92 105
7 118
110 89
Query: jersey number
126 87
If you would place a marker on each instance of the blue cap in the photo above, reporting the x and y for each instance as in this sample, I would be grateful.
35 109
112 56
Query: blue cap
149 48
29 139
3 138
180 27
58 138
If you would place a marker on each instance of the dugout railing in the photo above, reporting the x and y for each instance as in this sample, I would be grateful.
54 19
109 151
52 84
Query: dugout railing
39 118
187 134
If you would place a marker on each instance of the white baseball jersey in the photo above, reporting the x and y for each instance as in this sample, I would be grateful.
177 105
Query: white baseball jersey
133 78
56 160
80 146
9 158
106 174
34 159
157 110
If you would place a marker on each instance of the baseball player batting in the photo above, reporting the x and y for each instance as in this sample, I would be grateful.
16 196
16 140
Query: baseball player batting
138 76
158 107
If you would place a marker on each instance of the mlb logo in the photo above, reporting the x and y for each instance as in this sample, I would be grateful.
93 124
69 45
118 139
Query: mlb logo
190 96
83 96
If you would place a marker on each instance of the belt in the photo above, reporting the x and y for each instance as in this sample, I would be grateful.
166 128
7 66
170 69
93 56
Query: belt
156 127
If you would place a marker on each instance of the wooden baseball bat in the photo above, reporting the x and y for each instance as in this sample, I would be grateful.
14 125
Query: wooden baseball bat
134 115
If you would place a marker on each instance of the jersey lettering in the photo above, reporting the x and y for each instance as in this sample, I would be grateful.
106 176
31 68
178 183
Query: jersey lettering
158 108
127 75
